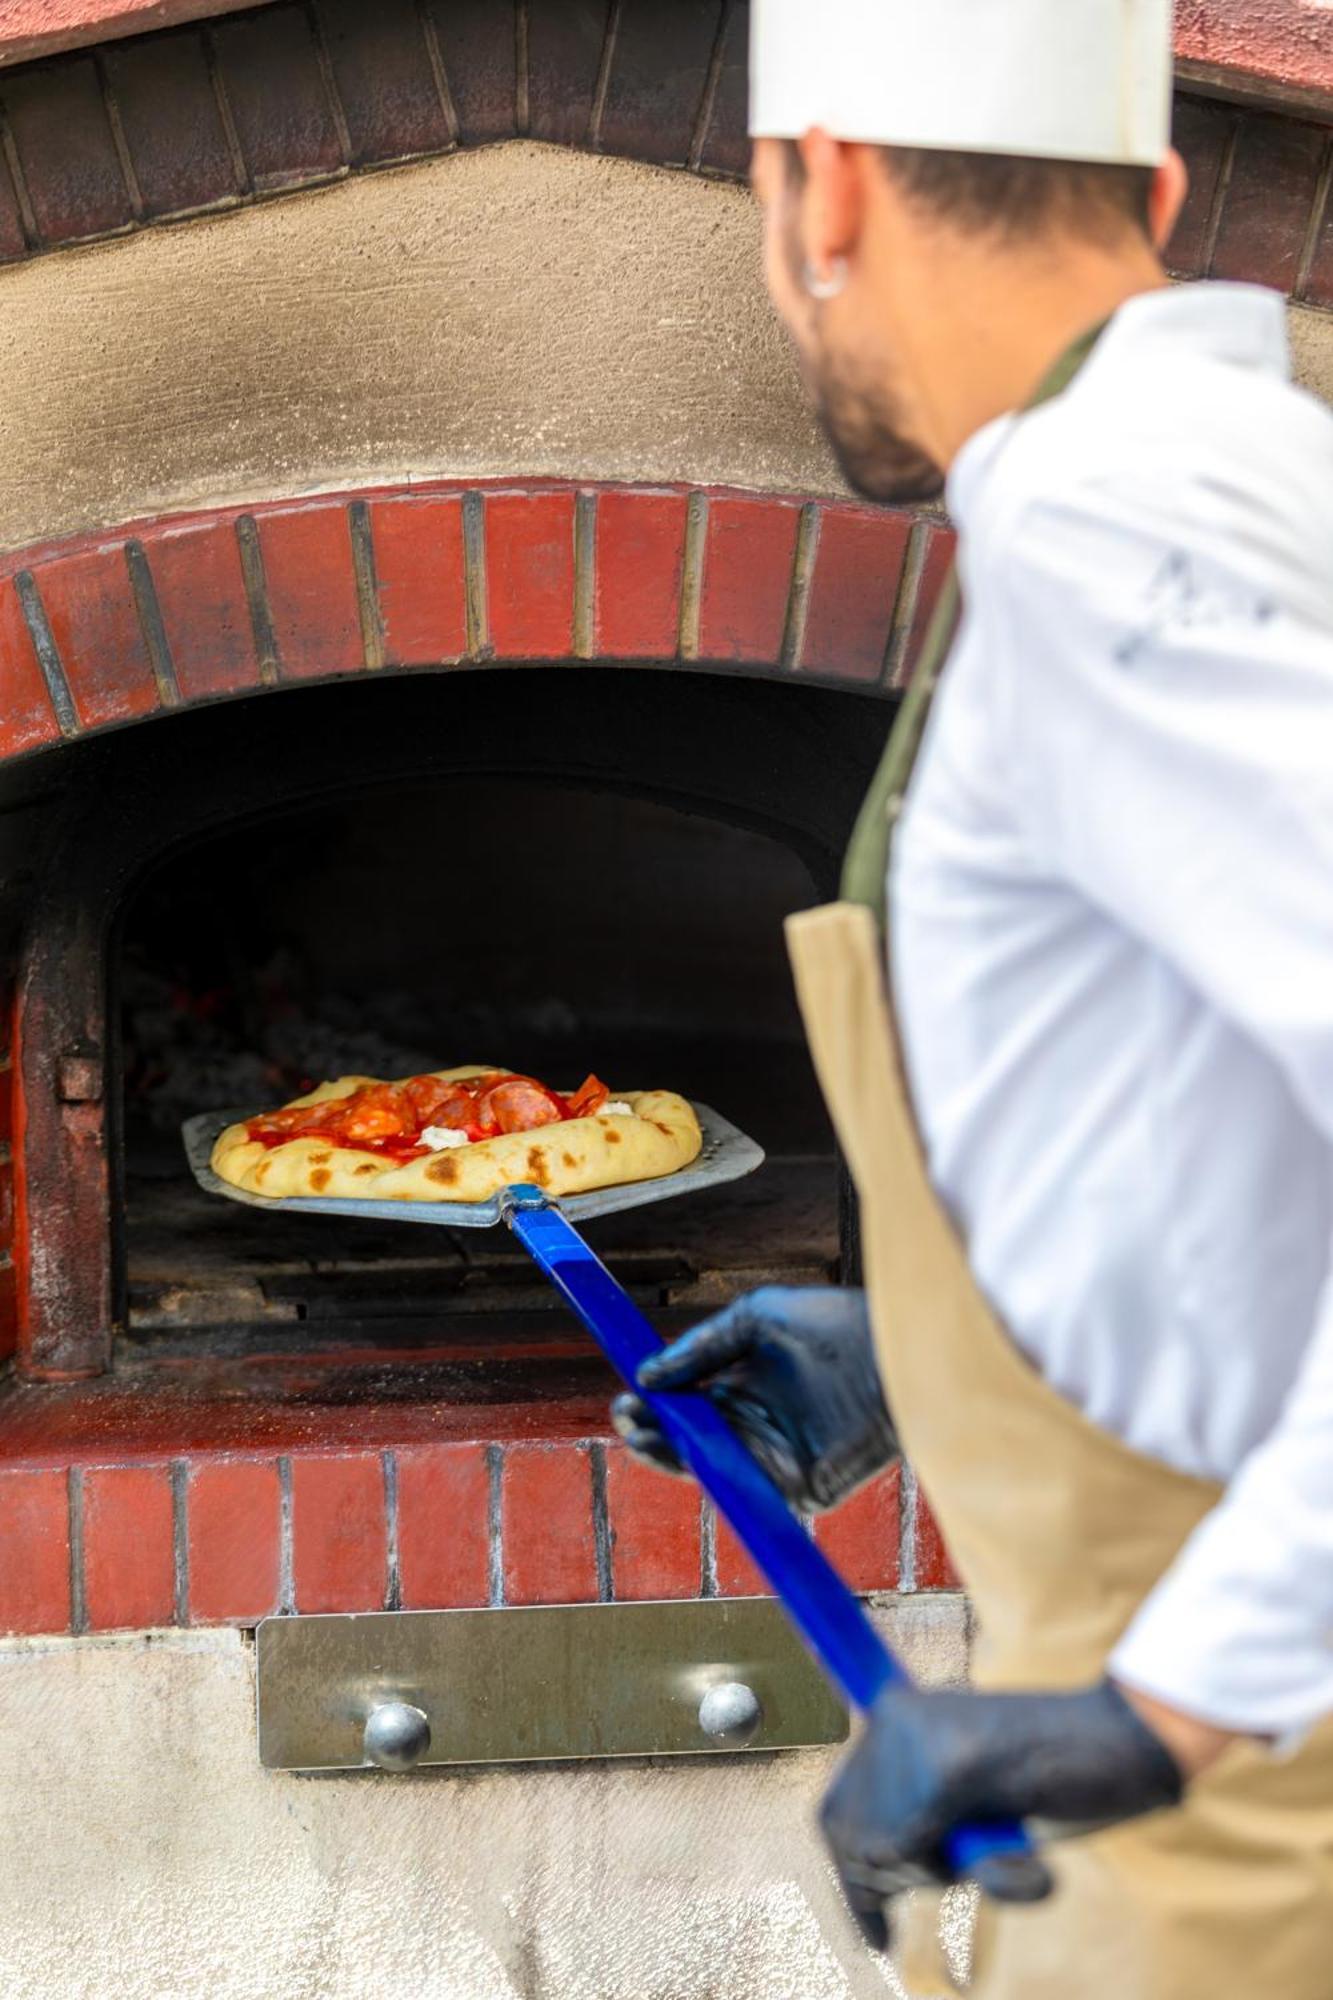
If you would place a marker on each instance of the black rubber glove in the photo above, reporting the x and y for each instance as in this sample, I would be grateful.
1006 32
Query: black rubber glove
928 1762
794 1373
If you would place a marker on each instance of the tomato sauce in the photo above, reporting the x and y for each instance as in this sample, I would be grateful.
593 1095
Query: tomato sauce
389 1118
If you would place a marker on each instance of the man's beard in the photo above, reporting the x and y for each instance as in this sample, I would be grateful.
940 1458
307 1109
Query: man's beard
864 427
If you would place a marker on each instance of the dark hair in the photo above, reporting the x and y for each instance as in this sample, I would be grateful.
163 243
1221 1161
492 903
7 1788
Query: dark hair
998 194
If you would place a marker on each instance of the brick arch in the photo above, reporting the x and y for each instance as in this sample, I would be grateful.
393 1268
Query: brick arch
216 114
105 631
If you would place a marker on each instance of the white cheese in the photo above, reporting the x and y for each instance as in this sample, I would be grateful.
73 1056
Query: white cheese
617 1108
439 1138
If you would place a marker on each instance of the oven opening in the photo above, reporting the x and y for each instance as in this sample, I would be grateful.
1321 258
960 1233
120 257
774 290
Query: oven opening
551 928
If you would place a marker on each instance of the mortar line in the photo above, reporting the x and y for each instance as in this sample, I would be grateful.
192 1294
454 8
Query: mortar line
704 116
905 604
78 1599
1213 226
48 653
585 575
435 56
601 1523
908 1504
367 584
707 1549
393 1584
22 192
129 173
603 83
522 93
802 576
256 596
180 1540
495 1525
1315 226
151 624
328 76
240 165
286 1568
474 566
692 576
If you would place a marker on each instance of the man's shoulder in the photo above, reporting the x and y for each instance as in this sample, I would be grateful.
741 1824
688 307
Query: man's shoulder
1190 439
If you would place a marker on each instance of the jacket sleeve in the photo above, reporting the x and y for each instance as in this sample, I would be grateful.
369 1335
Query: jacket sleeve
1164 683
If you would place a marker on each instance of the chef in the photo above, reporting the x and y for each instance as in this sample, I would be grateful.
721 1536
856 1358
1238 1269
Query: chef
1080 1059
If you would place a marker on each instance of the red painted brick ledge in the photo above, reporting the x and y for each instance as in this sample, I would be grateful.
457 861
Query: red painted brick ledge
109 629
209 1540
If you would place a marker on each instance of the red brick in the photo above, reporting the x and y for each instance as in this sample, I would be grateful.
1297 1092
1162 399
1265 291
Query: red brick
938 562
932 1567
200 588
1268 202
384 81
94 621
737 1576
34 1552
748 557
546 1525
129 1568
861 1538
420 567
172 123
312 591
565 47
655 1528
339 1532
27 719
444 1540
234 1526
858 568
63 139
6 1194
270 69
640 554
530 574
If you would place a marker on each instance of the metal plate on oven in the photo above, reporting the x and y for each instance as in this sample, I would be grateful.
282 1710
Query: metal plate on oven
727 1155
533 1684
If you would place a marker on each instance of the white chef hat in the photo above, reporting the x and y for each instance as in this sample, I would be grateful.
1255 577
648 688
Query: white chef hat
1059 79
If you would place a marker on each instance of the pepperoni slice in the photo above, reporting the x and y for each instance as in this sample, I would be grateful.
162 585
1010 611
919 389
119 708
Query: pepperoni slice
390 1117
521 1104
589 1098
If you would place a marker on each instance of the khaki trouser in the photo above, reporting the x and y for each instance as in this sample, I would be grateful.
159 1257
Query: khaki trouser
1059 1532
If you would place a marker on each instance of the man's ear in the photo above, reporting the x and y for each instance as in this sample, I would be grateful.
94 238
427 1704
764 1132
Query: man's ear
1171 184
833 199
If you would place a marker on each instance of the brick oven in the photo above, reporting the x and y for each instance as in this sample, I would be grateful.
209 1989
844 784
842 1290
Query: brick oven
431 629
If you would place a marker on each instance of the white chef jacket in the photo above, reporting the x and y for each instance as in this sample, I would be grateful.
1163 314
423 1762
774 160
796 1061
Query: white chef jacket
1112 945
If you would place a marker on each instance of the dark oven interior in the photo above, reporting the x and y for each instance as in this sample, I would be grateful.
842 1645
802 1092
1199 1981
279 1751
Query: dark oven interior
558 870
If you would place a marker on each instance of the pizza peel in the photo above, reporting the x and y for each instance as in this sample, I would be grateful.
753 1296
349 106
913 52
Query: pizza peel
828 1615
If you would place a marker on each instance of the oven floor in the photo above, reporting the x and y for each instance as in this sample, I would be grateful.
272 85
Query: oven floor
202 1267
287 1333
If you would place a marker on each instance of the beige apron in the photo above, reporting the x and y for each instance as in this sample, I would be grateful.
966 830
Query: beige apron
1059 1532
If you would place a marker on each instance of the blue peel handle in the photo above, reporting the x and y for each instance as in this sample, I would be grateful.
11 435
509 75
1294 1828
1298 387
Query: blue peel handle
826 1613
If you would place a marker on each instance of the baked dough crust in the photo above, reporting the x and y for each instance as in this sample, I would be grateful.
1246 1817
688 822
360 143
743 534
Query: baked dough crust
659 1137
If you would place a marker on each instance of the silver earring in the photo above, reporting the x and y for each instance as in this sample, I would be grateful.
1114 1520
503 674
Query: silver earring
825 284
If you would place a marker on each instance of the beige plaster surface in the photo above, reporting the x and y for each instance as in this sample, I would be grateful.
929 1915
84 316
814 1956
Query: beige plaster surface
518 310
521 309
148 1857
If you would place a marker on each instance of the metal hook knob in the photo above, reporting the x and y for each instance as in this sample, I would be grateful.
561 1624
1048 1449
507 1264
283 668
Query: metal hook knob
730 1713
397 1735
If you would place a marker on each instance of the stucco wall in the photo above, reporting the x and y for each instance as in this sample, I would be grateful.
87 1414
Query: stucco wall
147 1856
521 309
518 309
